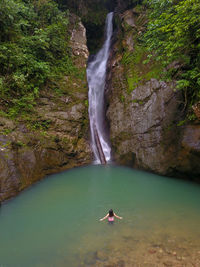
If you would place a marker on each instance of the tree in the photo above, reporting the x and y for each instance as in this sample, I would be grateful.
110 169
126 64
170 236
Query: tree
173 34
33 47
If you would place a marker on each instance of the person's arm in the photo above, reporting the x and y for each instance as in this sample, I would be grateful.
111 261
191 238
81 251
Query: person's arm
117 216
104 217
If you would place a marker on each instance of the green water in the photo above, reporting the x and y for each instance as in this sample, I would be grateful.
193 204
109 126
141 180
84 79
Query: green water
56 222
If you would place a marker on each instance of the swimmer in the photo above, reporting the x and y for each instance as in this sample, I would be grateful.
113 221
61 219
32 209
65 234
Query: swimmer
111 215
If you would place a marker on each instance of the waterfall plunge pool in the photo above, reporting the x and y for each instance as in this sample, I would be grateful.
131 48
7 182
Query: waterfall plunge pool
56 222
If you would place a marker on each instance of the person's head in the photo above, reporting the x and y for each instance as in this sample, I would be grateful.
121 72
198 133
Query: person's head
111 214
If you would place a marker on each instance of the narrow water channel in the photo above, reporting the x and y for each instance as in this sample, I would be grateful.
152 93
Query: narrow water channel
56 222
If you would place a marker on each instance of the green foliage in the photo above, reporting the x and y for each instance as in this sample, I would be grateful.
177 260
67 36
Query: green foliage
33 50
133 81
173 35
5 145
39 125
18 144
6 131
181 123
136 71
130 61
89 10
122 98
140 102
86 103
25 103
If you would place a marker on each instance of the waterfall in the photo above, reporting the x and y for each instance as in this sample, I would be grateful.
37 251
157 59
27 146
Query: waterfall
96 75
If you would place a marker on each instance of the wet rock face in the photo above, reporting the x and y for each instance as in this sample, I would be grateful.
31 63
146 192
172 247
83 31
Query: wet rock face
78 40
54 137
139 128
30 159
144 112
188 157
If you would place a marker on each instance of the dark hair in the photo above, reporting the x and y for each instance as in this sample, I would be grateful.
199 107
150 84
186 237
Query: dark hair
111 214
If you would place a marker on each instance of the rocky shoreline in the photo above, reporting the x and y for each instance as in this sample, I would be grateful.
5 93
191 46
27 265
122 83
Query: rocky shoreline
141 253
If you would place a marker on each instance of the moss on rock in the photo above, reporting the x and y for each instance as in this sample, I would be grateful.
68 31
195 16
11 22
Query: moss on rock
144 109
54 135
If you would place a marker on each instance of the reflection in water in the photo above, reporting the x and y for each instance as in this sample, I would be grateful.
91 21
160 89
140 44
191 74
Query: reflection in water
56 222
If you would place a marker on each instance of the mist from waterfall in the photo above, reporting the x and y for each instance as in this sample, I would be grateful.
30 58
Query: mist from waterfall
96 75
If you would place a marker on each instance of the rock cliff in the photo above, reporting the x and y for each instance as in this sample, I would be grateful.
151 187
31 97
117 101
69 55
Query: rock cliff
54 137
144 111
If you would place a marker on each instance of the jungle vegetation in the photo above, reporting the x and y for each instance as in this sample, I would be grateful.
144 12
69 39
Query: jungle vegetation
35 53
173 37
34 50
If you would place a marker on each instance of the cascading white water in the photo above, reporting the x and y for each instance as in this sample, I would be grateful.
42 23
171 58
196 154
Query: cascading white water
96 75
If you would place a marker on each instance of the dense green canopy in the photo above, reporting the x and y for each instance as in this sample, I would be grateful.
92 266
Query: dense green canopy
173 35
33 47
